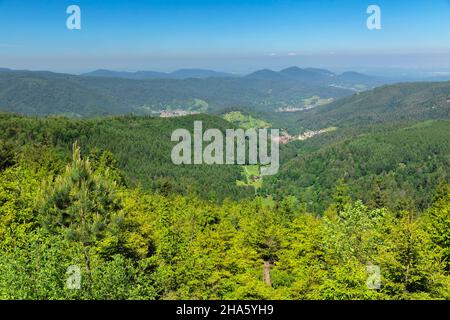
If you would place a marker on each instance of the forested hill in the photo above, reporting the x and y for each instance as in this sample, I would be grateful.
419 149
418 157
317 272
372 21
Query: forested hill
399 102
388 167
46 93
62 211
140 146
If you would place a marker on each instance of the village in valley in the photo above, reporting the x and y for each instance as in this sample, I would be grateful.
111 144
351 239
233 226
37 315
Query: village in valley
285 137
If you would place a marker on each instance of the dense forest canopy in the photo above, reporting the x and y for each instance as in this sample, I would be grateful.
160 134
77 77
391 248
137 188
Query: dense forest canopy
386 168
141 146
129 243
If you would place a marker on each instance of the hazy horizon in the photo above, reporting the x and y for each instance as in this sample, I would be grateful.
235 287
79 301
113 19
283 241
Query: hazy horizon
398 72
229 36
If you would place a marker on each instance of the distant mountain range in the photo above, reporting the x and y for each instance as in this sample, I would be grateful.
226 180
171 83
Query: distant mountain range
307 75
108 93
352 81
295 73
148 75
348 80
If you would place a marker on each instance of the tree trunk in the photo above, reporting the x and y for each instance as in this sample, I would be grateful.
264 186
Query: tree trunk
87 260
266 273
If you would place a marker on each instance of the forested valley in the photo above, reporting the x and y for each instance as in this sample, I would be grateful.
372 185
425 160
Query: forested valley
101 195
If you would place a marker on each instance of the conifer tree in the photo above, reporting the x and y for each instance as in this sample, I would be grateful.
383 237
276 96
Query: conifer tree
80 204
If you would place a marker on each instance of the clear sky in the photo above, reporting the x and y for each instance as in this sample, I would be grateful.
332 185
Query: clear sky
232 35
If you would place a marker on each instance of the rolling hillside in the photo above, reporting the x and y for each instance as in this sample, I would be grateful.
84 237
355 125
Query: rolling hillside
105 92
397 167
402 102
392 143
141 145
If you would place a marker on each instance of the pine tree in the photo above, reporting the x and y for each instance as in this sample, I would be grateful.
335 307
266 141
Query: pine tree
80 204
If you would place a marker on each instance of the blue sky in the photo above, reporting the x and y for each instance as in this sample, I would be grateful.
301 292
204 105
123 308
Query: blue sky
233 35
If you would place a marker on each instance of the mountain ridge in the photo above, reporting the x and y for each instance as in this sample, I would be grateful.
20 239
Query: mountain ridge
148 75
46 93
410 101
